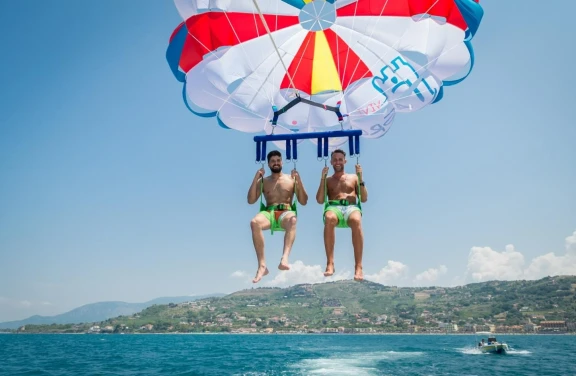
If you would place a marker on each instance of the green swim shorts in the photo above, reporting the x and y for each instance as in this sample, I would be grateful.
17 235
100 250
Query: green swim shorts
276 216
342 212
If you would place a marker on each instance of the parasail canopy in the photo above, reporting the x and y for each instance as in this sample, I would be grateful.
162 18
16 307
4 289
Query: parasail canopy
242 61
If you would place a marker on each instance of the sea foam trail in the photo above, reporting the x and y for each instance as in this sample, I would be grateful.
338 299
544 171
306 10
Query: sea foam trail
475 351
470 351
519 352
359 364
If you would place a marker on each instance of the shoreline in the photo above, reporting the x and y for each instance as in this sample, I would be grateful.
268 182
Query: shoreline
311 334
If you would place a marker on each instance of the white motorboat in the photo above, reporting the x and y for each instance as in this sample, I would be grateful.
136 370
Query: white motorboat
491 345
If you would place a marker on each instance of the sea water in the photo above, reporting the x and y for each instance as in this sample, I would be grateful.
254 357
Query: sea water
271 354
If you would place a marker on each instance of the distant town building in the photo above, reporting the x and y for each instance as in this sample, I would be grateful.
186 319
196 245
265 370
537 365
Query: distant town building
553 326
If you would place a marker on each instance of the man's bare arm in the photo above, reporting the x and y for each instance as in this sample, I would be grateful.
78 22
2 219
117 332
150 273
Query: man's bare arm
320 193
364 192
359 182
301 193
253 191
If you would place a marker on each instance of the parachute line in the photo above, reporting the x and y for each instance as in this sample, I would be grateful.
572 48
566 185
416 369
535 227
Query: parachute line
349 47
364 36
244 51
274 43
353 23
227 101
262 86
265 94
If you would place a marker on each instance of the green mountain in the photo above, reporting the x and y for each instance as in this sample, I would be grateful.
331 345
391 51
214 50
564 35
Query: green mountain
97 312
357 306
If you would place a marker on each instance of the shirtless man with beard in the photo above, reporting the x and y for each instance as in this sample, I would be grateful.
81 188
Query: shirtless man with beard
342 209
278 190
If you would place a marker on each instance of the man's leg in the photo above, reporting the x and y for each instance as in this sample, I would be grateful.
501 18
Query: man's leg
355 224
330 223
259 222
288 223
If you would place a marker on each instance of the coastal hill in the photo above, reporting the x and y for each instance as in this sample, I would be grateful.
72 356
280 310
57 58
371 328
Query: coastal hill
349 306
100 311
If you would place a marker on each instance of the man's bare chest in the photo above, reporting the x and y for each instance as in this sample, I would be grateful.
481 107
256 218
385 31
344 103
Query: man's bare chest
280 187
342 184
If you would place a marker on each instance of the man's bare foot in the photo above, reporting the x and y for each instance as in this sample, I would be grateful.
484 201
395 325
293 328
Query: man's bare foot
284 265
329 270
358 274
262 271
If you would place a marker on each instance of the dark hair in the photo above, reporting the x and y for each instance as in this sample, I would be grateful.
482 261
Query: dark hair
272 154
338 151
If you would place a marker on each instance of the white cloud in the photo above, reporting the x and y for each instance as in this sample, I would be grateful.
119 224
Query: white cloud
432 274
550 264
394 271
302 273
25 303
571 244
485 264
457 281
239 274
299 273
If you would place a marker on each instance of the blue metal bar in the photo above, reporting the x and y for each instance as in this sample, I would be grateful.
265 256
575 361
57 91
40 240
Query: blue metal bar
322 137
304 136
263 153
288 150
350 145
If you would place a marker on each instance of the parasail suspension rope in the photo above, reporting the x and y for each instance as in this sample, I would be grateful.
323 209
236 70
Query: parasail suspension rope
274 43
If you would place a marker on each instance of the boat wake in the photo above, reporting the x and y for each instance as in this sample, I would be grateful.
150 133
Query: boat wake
470 351
475 351
519 352
351 363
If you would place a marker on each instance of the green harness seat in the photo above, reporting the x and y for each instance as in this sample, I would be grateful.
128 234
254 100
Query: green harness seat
268 211
329 203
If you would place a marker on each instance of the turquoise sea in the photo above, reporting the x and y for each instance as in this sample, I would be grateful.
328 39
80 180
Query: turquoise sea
251 354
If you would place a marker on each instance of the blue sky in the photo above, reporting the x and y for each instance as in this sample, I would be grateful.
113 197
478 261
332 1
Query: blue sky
111 190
